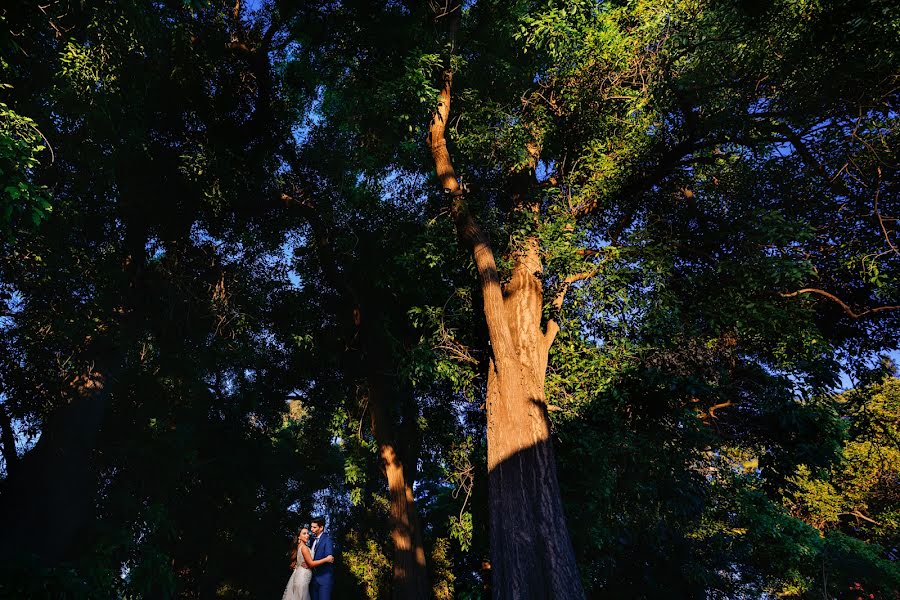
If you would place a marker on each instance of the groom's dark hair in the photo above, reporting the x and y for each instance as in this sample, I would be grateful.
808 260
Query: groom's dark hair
320 521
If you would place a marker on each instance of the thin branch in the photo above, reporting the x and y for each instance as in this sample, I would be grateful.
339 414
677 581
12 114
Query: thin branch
49 146
568 281
362 414
859 515
880 218
712 409
837 185
840 302
328 260
553 324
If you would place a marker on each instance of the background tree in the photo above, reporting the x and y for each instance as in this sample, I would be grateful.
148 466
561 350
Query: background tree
138 316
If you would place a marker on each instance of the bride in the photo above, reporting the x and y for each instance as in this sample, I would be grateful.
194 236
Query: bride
302 563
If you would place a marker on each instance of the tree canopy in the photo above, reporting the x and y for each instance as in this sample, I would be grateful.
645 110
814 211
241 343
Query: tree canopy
535 298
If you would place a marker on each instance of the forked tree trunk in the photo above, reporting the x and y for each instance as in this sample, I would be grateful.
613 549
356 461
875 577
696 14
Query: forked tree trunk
531 551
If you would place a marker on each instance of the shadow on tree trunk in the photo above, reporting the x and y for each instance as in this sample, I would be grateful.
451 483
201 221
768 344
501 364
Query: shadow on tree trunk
531 550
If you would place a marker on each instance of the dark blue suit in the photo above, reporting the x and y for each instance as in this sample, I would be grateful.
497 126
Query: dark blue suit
323 575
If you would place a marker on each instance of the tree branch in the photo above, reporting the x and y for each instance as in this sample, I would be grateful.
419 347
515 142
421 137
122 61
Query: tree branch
322 241
712 409
468 231
838 301
258 61
859 515
558 301
836 184
553 324
669 158
884 230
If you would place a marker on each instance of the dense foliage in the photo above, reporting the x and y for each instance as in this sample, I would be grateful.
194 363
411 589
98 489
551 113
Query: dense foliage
234 295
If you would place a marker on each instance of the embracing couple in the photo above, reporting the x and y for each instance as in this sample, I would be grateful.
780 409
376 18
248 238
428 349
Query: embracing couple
313 575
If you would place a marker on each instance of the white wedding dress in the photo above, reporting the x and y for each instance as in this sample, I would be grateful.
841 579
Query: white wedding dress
298 585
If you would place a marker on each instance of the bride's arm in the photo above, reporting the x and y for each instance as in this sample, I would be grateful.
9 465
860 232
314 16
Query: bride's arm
308 559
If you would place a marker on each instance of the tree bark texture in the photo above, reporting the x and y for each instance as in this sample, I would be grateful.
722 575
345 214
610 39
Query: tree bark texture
531 551
410 579
410 576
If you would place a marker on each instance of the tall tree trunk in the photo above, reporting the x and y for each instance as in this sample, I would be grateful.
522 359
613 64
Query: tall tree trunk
534 557
531 551
410 575
410 579
49 497
8 439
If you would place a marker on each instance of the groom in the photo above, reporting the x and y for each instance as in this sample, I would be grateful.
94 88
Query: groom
323 575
